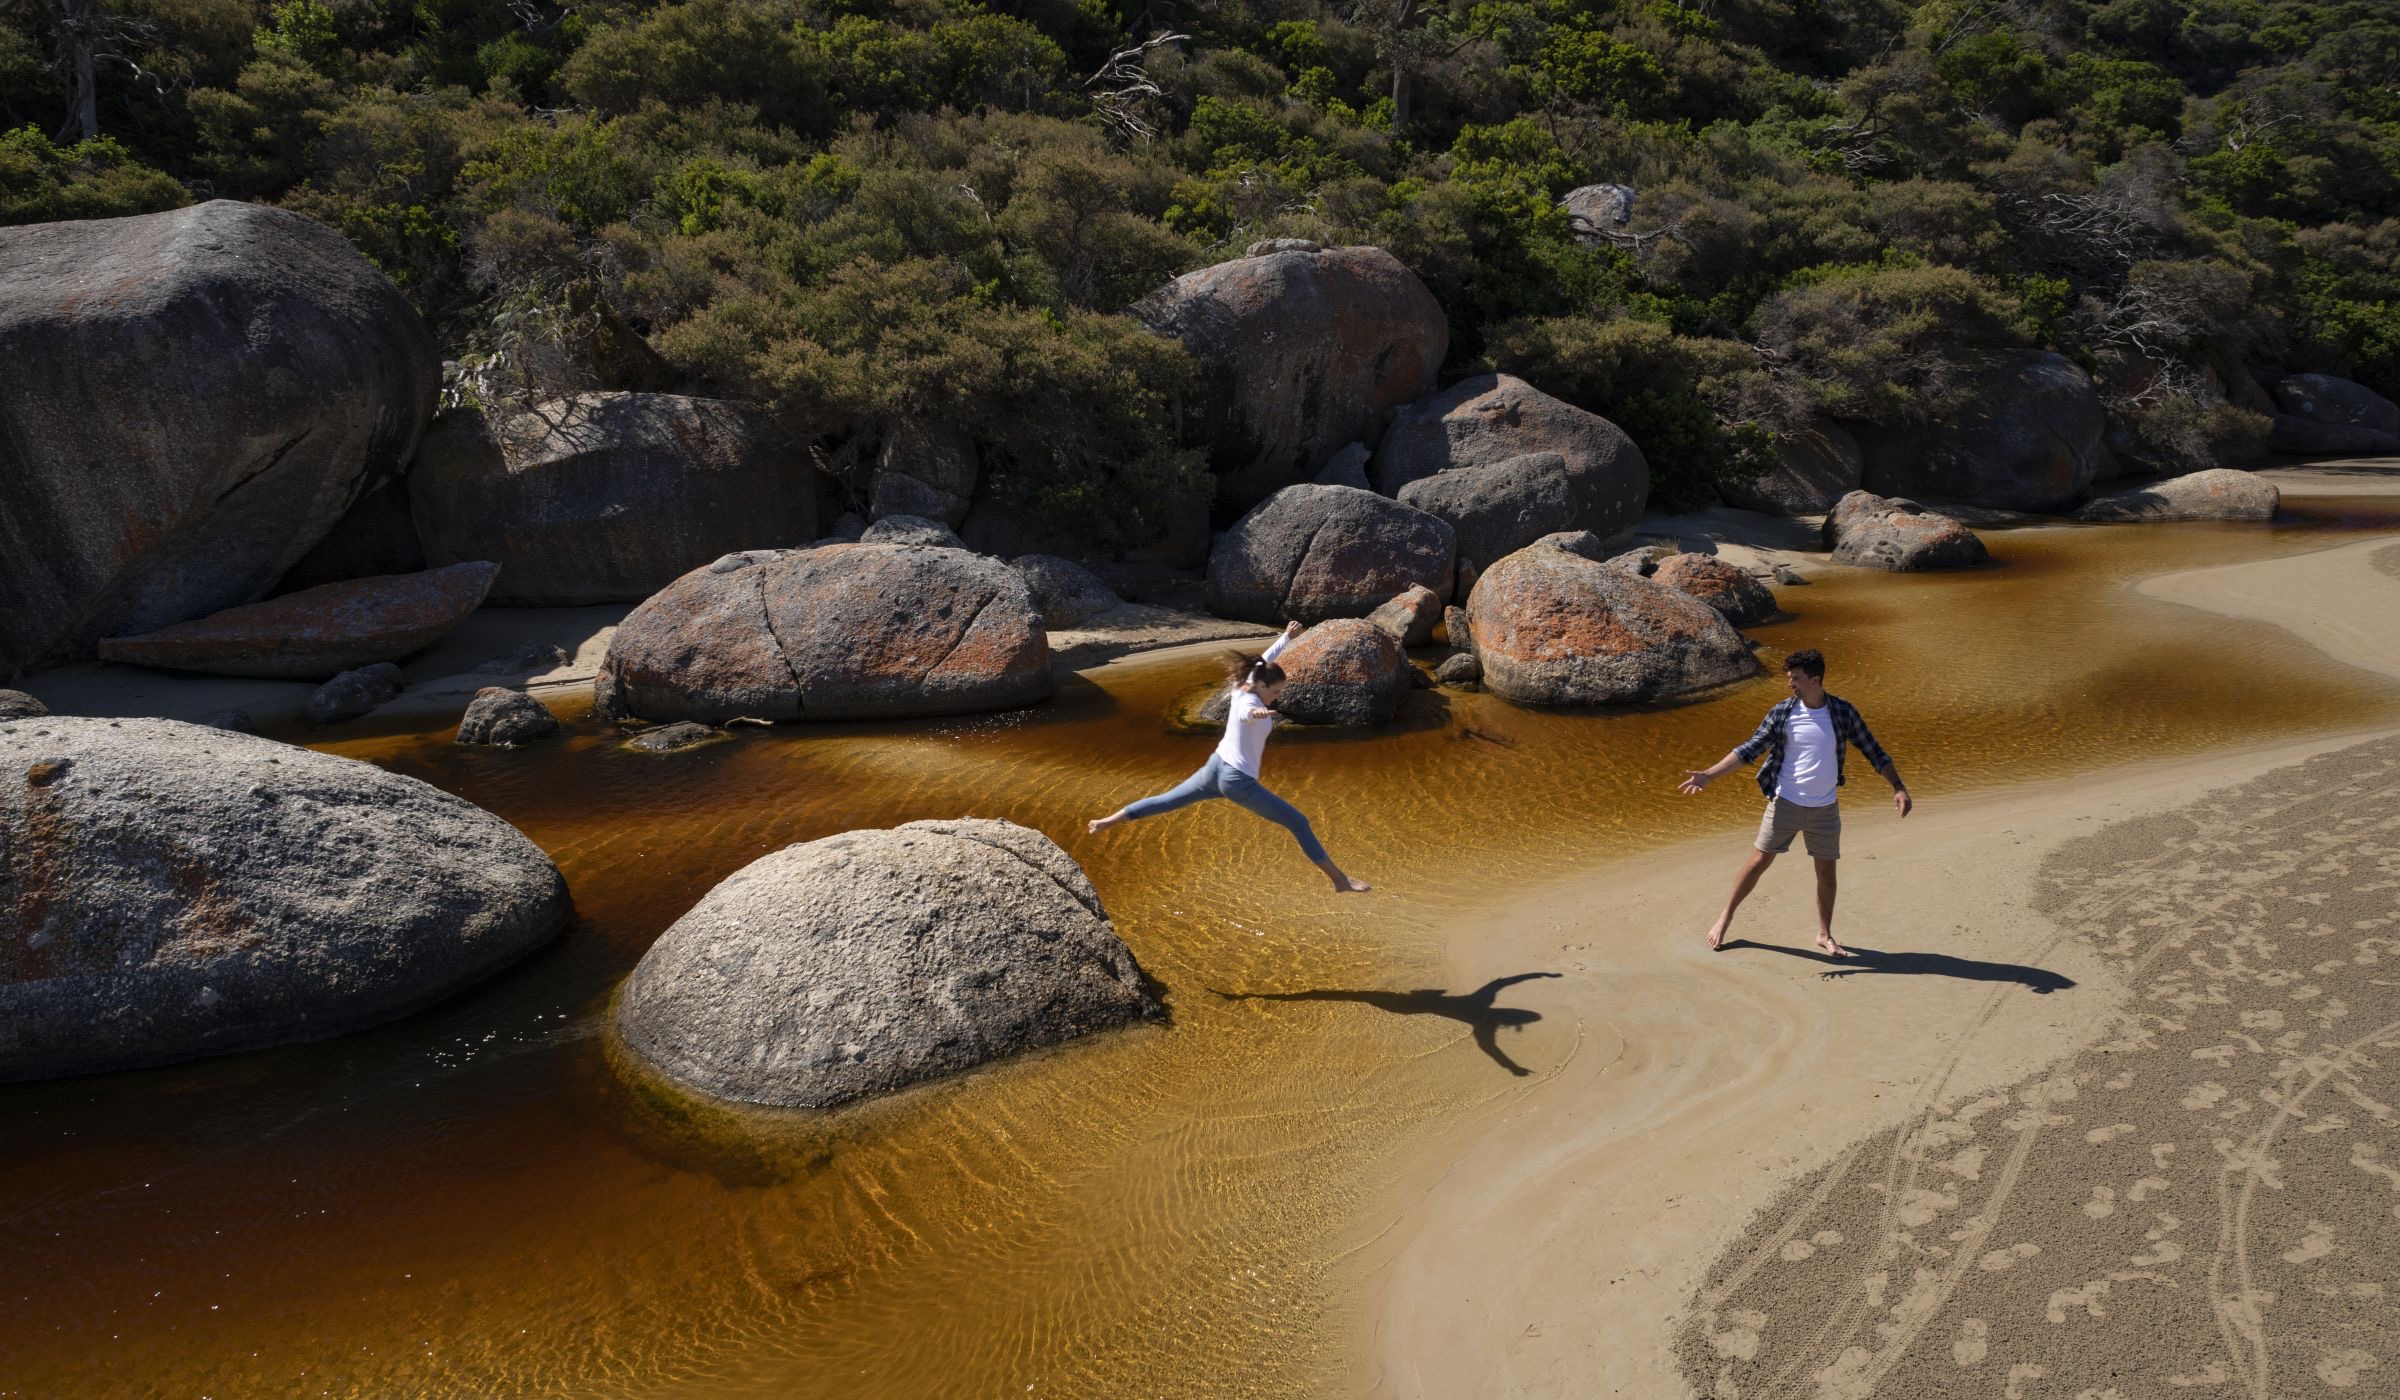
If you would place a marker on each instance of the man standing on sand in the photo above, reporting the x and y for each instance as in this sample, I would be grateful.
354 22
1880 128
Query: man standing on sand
1802 738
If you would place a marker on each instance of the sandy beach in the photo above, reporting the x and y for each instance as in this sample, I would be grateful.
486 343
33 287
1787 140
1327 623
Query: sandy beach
1760 1173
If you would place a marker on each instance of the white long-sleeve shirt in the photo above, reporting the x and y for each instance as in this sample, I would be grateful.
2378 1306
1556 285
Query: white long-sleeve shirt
1246 724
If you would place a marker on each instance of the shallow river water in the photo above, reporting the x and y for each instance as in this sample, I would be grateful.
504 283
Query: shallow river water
479 1200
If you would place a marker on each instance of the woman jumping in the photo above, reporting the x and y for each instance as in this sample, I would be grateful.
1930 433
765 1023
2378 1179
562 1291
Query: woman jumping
1232 771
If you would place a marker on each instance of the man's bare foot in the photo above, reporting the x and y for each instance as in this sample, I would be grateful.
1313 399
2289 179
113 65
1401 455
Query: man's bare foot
1716 935
1832 948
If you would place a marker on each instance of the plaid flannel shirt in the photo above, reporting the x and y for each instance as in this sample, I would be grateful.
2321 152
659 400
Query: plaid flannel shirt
1848 728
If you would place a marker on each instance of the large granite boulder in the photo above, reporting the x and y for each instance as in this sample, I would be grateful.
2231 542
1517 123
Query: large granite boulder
1876 532
1501 508
861 963
2028 438
606 497
1554 628
504 718
924 469
1067 593
2307 437
2329 399
376 536
1596 211
840 631
1312 552
1348 671
1493 418
1813 467
169 891
316 632
188 401
1299 353
1728 588
2218 494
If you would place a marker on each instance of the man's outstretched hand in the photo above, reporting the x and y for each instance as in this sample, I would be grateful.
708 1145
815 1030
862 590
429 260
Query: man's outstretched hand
1695 781
1901 801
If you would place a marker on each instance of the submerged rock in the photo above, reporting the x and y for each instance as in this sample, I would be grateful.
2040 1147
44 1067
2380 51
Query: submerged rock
316 632
1876 532
190 400
865 962
1554 628
1309 553
1494 418
354 694
675 738
2219 494
175 891
1726 587
606 497
498 715
1460 668
840 631
1299 353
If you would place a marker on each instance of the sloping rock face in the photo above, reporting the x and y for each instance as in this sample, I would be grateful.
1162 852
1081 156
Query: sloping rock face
2218 494
1313 552
316 632
1066 592
2329 399
2029 439
1347 671
1500 509
169 891
505 718
924 469
189 400
1554 628
1869 531
1726 587
1492 418
865 962
1299 353
1814 467
841 631
605 497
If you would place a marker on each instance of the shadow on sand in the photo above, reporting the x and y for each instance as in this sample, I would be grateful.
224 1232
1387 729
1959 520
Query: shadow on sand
1474 1008
1867 960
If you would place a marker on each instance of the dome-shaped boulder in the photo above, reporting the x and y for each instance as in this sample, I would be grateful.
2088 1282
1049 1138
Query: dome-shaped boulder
871 960
840 631
1869 531
1728 588
169 890
1555 628
1492 418
1312 552
2220 493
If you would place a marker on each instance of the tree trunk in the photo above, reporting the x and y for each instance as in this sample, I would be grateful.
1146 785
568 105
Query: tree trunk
79 36
1399 99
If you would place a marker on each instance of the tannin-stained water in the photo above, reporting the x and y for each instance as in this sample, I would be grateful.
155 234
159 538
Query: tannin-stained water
479 1200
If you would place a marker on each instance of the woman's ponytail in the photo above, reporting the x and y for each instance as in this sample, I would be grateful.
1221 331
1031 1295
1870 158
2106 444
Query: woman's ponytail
1250 669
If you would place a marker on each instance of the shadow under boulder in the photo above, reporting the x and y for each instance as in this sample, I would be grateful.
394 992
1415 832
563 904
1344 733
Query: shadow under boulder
864 962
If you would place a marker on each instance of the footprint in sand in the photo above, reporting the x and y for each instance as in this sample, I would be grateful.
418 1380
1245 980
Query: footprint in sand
2111 1133
2341 1369
2314 1245
2008 1258
1974 1342
1739 1340
2102 1204
2204 1095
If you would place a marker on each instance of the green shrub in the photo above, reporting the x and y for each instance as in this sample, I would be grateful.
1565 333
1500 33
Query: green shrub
95 179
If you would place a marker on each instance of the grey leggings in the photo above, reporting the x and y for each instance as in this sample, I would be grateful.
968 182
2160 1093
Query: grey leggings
1215 779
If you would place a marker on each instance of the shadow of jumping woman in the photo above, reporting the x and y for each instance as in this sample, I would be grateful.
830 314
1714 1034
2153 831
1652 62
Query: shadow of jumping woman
1476 1009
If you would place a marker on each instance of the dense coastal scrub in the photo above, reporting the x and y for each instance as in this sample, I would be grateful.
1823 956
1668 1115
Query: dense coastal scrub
868 213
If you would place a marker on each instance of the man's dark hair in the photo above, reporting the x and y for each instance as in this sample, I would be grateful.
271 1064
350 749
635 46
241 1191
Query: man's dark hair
1810 663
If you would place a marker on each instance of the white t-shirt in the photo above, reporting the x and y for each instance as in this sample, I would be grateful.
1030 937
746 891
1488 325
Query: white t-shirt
1811 757
1246 725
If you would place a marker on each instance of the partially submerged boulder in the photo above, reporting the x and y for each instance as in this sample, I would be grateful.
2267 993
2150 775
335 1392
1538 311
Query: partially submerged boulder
355 694
606 497
1501 508
1728 588
1314 552
1067 593
1410 616
1492 418
1813 467
840 631
1348 671
1299 352
1459 669
175 891
505 718
1901 536
675 738
316 632
2218 494
190 400
862 963
2027 438
924 469
1554 628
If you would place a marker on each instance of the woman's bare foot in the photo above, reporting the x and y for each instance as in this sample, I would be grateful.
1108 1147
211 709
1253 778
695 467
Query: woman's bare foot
1342 884
1832 948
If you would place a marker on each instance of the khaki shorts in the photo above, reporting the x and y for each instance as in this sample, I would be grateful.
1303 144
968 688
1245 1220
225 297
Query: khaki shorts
1785 820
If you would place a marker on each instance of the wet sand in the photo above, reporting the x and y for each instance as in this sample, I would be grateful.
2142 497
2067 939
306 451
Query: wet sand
1785 1176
